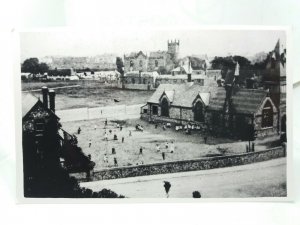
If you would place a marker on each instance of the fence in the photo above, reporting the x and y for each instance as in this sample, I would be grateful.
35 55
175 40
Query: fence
109 112
186 165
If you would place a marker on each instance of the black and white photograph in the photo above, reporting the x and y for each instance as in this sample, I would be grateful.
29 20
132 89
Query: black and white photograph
154 114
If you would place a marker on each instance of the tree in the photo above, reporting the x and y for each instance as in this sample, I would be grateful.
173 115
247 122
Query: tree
30 65
162 70
43 68
120 66
33 66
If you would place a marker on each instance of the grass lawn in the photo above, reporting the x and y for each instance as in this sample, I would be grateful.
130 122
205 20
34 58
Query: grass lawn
88 94
127 153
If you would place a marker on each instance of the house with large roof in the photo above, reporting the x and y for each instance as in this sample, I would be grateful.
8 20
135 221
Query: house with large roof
46 146
178 103
242 113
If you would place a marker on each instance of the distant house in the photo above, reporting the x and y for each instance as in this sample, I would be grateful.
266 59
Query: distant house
136 61
139 61
200 79
139 80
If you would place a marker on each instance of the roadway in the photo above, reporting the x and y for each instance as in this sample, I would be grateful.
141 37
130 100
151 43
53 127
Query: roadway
254 180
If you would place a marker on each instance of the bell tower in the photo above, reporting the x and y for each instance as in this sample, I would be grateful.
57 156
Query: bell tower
173 48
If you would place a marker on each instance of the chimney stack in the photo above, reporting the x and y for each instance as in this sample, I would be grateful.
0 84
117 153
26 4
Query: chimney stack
45 96
189 77
52 100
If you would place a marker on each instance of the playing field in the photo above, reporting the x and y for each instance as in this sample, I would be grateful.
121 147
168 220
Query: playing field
87 93
128 152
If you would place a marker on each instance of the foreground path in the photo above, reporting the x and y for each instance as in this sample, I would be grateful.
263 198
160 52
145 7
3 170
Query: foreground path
255 180
117 112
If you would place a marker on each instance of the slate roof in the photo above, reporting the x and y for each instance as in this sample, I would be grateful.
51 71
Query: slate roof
244 101
28 101
181 94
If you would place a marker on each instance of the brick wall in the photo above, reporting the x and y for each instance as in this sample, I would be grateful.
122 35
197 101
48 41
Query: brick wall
187 165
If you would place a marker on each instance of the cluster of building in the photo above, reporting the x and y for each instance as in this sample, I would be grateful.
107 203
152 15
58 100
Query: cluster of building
229 109
98 62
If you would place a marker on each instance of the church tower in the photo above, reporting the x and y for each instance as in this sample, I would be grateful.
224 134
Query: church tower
173 49
275 80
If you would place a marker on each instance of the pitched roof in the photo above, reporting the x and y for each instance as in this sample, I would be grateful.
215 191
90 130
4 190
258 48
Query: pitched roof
135 54
157 54
244 101
181 94
28 101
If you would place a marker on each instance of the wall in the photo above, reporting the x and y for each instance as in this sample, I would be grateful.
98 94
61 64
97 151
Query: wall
187 165
137 86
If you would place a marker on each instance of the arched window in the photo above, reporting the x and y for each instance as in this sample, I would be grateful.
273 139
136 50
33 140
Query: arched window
156 63
267 115
199 112
165 107
131 63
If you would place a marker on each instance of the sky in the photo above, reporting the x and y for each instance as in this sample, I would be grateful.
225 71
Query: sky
123 41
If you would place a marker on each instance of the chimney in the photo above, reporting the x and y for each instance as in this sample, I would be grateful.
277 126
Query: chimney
45 96
52 100
189 77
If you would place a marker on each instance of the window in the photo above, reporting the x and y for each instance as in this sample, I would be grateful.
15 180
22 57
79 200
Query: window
165 108
144 80
154 110
141 63
131 63
145 111
199 112
267 115
156 63
133 80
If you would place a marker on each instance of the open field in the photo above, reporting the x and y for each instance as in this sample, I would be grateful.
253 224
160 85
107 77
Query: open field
127 153
232 182
88 94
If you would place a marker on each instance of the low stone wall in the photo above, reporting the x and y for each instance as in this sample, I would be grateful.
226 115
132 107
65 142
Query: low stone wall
186 165
144 87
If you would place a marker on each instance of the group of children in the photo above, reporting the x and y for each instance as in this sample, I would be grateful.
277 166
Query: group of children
168 147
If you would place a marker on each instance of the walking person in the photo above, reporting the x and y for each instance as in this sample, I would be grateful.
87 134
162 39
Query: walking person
163 155
167 186
90 143
122 139
79 130
130 133
141 150
105 159
115 161
172 147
